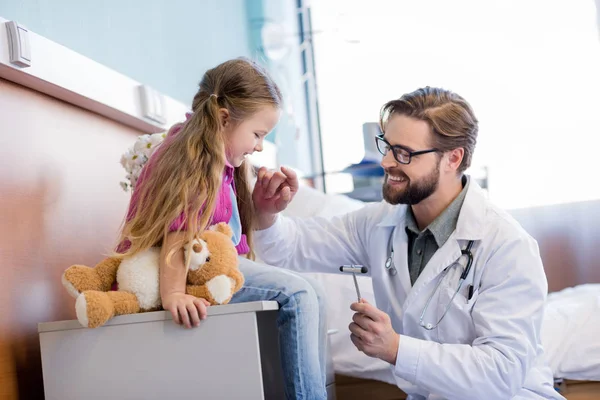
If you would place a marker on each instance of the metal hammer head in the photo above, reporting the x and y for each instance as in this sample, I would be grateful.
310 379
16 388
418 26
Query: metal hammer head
360 269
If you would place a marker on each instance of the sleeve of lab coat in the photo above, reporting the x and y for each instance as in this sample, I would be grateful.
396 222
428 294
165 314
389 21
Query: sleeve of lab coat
314 244
507 316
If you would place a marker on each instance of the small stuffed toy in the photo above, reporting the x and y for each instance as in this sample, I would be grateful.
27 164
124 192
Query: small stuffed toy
213 275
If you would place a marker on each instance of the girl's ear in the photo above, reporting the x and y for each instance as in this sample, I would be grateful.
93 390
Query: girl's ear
224 117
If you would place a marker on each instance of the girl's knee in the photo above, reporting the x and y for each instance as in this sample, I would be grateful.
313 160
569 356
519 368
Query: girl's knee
319 292
302 293
311 293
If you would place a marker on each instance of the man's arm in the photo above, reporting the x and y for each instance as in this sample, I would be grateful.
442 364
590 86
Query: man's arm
314 244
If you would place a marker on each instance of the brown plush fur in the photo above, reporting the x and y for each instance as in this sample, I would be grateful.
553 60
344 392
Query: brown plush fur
101 304
202 290
101 277
223 261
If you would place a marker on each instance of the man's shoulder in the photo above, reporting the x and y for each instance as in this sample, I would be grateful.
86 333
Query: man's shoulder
515 252
500 223
383 208
380 214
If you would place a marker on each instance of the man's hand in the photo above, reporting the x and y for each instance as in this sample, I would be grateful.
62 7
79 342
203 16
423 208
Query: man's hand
273 191
372 332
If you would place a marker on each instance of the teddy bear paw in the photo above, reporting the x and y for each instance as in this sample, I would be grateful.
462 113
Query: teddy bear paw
221 288
93 309
71 289
78 278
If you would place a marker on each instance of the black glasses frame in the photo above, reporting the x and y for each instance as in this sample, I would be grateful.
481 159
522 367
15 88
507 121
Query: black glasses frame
395 149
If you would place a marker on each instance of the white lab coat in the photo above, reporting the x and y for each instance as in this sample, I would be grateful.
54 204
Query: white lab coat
484 348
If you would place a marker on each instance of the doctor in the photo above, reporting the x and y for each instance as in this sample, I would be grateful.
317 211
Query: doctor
459 285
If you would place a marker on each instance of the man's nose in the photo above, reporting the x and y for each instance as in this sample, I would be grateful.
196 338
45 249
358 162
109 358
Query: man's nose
388 160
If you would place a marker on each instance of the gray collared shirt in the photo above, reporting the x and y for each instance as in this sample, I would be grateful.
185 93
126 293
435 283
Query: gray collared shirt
423 244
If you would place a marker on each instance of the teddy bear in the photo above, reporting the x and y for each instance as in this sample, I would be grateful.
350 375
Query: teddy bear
213 275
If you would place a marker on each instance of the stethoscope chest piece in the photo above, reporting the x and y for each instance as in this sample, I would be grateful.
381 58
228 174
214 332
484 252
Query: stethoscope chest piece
389 265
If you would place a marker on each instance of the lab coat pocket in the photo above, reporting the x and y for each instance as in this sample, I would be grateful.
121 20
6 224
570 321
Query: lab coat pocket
471 301
457 325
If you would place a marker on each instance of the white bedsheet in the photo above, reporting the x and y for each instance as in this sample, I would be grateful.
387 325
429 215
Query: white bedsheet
570 331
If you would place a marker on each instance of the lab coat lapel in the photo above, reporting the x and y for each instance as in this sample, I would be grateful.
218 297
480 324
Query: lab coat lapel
441 259
468 227
400 241
395 221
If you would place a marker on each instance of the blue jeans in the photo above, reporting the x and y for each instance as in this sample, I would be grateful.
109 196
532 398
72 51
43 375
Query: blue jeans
301 323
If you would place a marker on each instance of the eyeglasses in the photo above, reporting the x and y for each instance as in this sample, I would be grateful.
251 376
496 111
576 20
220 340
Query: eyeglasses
401 154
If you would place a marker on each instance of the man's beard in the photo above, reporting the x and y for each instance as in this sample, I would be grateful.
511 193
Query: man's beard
413 192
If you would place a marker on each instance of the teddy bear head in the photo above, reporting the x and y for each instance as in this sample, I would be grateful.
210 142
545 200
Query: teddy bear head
212 253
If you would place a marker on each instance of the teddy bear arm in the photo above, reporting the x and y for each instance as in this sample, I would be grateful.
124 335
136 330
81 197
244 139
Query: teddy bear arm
200 291
79 278
107 270
237 276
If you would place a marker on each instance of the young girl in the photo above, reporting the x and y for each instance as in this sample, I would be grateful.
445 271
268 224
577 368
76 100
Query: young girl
199 177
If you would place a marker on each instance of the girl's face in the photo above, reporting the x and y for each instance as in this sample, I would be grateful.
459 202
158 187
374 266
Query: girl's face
246 137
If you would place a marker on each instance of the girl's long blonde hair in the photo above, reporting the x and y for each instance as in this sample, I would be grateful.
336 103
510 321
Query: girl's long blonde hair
188 167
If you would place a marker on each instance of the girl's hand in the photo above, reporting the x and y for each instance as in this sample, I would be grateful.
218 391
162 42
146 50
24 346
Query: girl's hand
186 309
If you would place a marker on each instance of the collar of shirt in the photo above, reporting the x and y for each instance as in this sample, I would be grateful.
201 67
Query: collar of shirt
228 176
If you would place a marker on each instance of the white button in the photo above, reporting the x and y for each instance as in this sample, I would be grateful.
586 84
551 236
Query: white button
419 251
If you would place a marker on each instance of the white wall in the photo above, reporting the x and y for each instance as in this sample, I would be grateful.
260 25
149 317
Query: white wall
165 44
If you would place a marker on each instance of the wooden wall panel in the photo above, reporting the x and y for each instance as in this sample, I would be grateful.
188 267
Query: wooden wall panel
60 204
569 239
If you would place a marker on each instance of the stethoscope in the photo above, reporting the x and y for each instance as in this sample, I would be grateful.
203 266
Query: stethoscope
391 268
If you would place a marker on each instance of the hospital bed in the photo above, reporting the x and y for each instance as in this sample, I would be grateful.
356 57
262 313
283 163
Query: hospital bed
570 331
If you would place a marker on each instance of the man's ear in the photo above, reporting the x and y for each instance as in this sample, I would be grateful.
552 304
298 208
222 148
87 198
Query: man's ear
455 158
224 117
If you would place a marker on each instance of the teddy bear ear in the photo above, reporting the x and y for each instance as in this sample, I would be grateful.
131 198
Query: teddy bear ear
223 228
